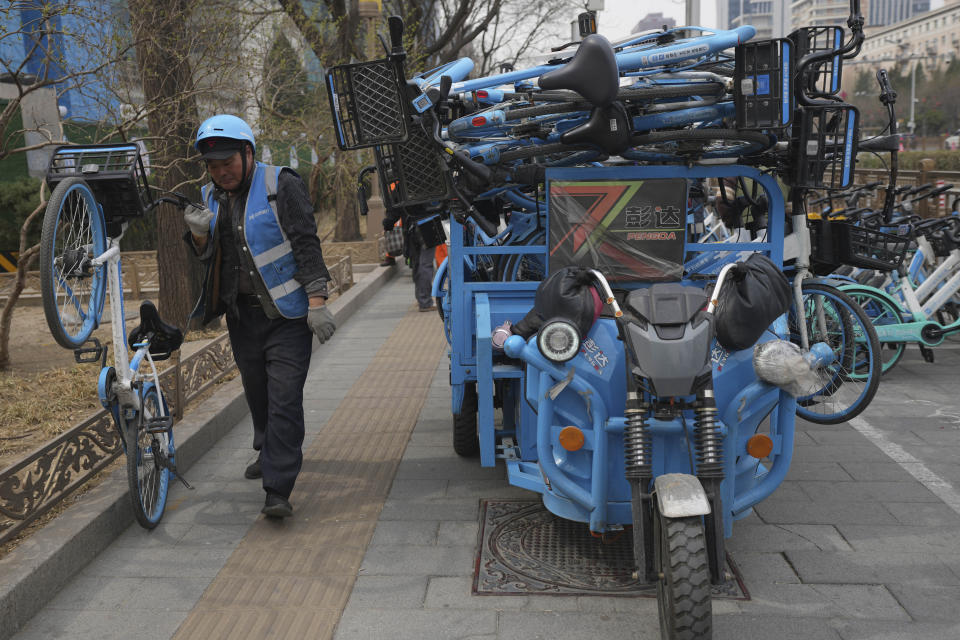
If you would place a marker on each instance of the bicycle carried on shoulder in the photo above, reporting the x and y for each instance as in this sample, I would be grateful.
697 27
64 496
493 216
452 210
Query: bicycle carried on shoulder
97 191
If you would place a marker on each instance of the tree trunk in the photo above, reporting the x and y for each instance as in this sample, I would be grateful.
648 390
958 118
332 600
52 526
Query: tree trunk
25 259
160 29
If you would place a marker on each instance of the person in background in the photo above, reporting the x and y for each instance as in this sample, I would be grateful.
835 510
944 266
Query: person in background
420 256
256 234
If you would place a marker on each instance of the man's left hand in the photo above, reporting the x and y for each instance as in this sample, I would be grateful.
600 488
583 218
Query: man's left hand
321 322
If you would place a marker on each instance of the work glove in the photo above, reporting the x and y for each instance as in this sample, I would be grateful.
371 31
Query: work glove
198 219
321 322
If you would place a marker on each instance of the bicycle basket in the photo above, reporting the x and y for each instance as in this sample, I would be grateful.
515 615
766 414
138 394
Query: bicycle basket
411 172
763 91
823 147
820 78
114 172
835 243
367 104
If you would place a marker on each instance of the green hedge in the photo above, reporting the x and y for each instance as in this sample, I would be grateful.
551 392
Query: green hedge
945 160
17 199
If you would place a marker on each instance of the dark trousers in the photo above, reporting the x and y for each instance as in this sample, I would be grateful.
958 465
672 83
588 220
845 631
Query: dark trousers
421 262
273 357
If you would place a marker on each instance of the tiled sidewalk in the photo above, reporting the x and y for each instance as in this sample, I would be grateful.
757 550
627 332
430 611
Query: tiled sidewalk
851 547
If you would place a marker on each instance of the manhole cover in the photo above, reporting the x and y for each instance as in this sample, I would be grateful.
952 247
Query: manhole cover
526 549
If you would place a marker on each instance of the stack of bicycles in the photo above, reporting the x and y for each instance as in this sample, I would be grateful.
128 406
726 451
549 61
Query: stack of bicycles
615 280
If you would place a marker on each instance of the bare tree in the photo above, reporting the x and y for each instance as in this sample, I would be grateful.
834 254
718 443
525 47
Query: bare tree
31 83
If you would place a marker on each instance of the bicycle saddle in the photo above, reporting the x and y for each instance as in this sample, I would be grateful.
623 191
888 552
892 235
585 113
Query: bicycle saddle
592 72
164 338
608 128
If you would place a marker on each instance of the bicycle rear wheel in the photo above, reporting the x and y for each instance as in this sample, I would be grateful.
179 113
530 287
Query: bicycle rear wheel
150 454
71 288
846 385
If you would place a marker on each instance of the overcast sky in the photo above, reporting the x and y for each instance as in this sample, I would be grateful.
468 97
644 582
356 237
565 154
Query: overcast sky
619 16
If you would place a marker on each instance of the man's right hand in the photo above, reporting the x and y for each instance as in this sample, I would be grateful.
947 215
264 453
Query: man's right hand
198 219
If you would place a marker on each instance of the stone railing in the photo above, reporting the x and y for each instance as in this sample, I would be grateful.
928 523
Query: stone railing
39 480
929 207
140 278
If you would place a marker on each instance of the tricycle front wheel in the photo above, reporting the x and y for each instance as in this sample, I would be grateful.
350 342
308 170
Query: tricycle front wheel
683 578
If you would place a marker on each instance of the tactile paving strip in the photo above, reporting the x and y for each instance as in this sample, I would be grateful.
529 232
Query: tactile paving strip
292 578
525 549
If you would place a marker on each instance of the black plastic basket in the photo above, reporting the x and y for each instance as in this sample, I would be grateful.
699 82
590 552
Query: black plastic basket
834 243
114 172
367 101
763 84
821 78
823 147
412 172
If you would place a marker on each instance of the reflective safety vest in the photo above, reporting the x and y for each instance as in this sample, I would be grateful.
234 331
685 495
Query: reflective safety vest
267 243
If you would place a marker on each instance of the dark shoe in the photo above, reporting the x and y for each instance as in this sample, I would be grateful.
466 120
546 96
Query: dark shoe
389 261
277 506
432 307
253 471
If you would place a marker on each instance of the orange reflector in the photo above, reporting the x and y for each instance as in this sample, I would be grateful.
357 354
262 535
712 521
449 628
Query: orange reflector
571 438
759 445
478 121
482 94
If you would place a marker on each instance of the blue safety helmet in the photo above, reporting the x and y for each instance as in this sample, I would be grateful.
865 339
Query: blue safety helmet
220 136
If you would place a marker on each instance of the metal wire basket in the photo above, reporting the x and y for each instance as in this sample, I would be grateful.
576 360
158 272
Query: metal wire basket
821 78
412 172
763 84
115 173
834 243
823 147
367 102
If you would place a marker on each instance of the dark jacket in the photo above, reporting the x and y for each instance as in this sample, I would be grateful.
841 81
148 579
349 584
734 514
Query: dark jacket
224 257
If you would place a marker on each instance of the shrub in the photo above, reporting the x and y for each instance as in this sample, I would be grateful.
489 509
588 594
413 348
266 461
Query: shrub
17 199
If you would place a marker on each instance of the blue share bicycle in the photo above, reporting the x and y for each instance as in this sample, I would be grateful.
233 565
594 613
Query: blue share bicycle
98 189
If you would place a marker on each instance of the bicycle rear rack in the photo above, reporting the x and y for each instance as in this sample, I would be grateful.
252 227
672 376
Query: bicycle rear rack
367 102
114 172
763 84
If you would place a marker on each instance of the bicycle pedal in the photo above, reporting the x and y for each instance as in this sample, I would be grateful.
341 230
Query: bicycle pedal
86 355
161 424
927 353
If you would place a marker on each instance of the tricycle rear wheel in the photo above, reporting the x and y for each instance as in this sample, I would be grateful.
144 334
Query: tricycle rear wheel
466 442
683 584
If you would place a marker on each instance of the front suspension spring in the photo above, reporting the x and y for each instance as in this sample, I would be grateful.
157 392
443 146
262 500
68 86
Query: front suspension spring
709 439
637 441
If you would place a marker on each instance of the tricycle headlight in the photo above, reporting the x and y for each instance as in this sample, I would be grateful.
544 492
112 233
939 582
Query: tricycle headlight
558 341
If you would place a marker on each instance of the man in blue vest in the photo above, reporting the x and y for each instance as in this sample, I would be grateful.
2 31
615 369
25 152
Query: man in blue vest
265 271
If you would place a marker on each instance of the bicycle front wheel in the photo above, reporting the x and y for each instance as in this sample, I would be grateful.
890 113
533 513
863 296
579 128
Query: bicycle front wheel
881 313
150 455
844 386
71 288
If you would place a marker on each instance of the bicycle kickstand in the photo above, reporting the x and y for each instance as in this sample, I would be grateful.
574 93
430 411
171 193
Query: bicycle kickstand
172 467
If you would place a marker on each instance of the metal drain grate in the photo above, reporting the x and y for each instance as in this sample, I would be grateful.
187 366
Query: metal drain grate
526 549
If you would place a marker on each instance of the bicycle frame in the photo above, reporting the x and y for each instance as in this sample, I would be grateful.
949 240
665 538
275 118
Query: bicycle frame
126 369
